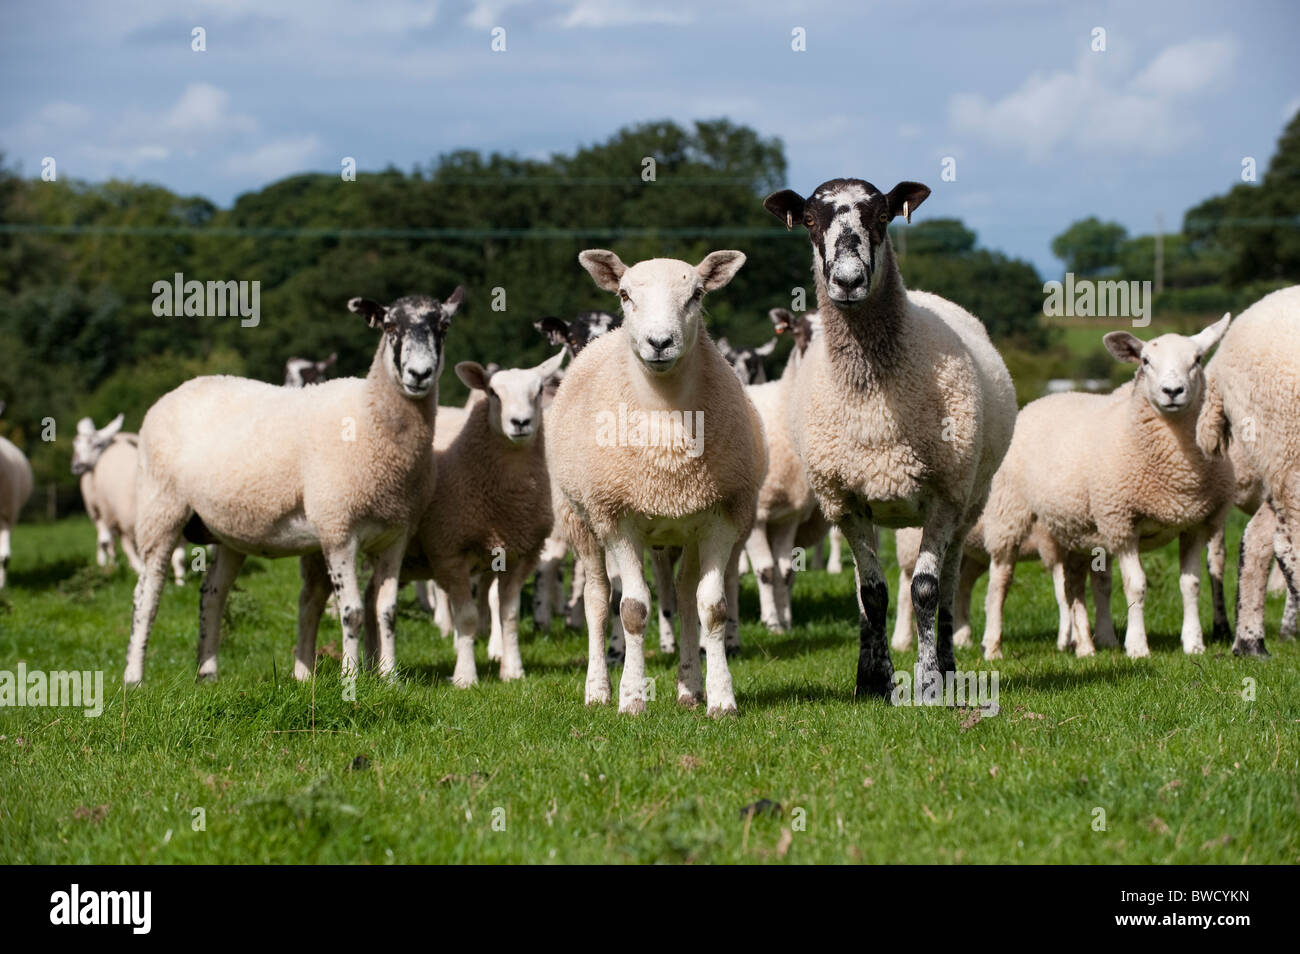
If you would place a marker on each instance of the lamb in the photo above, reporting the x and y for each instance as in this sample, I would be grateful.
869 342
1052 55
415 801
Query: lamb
491 512
344 467
15 488
105 460
657 479
1118 472
748 362
903 413
1252 394
300 372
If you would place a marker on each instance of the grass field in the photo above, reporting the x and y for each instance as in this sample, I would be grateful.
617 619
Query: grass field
1184 768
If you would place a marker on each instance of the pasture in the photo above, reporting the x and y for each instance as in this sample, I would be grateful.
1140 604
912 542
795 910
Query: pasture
1183 766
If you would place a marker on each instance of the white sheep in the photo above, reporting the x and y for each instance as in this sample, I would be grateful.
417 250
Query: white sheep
903 414
1117 473
1252 395
634 467
15 488
491 511
344 467
105 461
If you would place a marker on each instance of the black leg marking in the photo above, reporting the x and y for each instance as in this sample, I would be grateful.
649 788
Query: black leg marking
875 668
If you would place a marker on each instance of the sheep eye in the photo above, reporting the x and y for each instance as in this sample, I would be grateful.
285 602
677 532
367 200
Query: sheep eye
622 293
697 294
1146 361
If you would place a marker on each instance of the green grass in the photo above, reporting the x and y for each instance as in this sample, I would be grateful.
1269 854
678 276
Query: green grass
1184 768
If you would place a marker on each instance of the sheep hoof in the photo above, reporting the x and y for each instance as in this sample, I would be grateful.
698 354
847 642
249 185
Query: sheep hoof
1250 647
991 653
1105 638
689 700
874 687
722 710
462 681
1195 649
1221 633
634 706
1083 652
597 696
1138 652
667 646
512 675
132 678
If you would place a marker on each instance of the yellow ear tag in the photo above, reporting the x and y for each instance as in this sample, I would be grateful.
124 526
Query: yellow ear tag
789 222
907 211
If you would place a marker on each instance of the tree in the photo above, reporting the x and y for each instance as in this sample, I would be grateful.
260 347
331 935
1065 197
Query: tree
1089 246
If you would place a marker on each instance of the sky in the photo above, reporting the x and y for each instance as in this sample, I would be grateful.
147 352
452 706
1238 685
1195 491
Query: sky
1032 125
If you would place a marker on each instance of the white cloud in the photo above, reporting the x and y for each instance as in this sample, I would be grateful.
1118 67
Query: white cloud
1087 108
486 14
205 109
1290 109
280 157
611 13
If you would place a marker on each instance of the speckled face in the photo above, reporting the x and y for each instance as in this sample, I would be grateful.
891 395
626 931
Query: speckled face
847 222
414 330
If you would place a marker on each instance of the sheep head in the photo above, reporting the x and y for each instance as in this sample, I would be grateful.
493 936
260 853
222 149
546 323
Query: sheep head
514 395
89 444
415 328
848 225
662 300
1170 371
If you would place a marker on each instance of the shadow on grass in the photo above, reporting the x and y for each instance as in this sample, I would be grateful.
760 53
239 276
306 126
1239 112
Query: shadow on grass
56 571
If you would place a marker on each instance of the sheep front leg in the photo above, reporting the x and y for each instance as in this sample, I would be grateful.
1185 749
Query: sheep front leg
441 610
1252 582
783 553
760 558
1076 572
835 561
511 587
341 564
690 677
158 527
634 610
1064 609
933 639
950 568
495 639
311 605
1216 556
903 619
717 545
661 561
875 676
213 592
105 552
1104 634
1135 592
1001 572
575 612
1190 545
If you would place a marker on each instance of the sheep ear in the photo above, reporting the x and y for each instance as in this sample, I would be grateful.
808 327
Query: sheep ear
473 374
109 430
85 426
787 205
718 268
766 349
782 320
451 304
604 266
373 311
548 368
724 346
803 333
1209 337
1124 346
555 329
331 360
905 197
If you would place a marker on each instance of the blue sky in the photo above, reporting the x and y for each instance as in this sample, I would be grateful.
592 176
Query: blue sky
1043 130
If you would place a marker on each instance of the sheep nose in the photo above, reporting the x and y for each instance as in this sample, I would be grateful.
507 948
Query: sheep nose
854 279
419 377
659 344
1172 392
521 423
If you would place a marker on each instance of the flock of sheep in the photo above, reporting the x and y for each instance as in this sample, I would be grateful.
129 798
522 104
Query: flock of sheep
894 410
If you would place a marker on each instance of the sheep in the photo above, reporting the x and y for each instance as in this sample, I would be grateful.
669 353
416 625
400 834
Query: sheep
1118 472
343 467
903 413
624 483
748 362
1252 394
300 372
105 461
491 512
15 488
785 501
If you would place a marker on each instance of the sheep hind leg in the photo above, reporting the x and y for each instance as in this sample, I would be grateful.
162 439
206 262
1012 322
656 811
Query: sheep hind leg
875 672
661 561
213 592
496 640
4 554
969 574
1288 560
464 609
341 564
1076 573
1216 556
311 605
731 589
1064 608
760 558
1135 593
690 677
783 552
575 612
1104 633
904 620
1252 582
595 603
385 580
178 566
1001 572
934 581
132 555
634 611
158 527
949 572
717 547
